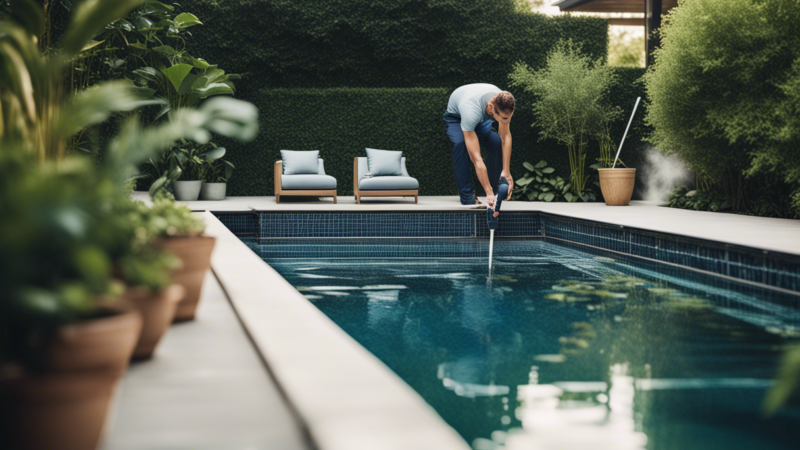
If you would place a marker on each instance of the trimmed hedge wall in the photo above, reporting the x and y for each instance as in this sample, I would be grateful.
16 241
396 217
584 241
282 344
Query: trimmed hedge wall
341 122
380 43
341 75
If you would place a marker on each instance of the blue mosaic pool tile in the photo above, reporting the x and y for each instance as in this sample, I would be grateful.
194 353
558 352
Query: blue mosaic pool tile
782 273
240 224
711 259
746 266
775 270
371 249
511 224
642 244
366 225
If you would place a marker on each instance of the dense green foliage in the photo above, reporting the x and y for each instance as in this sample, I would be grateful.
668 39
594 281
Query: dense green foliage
340 123
382 43
570 104
305 68
724 91
768 197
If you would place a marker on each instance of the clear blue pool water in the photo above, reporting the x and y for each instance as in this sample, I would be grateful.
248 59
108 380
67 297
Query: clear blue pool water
561 348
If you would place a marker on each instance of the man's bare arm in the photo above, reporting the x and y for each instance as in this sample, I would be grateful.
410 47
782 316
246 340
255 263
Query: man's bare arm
474 150
505 135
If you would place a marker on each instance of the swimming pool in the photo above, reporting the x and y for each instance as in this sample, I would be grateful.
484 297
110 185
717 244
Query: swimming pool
561 347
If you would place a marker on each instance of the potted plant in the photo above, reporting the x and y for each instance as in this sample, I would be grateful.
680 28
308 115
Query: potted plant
193 161
215 179
65 339
146 273
616 183
179 231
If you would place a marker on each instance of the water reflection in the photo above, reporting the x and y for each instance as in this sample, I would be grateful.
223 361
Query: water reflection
578 415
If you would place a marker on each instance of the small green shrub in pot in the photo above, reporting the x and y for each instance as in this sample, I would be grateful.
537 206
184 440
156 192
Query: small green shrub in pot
146 271
215 179
180 232
194 162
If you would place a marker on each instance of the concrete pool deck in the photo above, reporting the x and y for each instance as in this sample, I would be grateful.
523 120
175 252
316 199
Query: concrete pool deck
779 235
205 388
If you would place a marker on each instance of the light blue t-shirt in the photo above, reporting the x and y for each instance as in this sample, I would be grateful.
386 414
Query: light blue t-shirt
468 103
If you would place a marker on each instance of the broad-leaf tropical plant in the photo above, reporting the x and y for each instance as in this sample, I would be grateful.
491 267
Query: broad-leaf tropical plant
33 95
218 171
194 160
540 183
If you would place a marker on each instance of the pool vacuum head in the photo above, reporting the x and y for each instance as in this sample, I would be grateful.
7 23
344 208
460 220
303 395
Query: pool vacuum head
502 193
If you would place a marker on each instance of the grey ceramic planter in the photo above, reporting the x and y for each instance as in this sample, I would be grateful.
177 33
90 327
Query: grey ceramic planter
187 191
213 191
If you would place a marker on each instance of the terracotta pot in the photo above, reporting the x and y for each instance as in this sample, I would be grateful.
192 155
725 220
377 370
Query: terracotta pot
66 407
101 344
195 253
63 411
158 311
617 185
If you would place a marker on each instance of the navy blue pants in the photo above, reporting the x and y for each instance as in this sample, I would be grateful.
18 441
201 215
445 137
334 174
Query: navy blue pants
461 163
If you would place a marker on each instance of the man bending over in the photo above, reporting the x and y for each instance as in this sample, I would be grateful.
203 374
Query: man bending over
468 123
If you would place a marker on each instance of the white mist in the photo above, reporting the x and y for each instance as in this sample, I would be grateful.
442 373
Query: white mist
661 174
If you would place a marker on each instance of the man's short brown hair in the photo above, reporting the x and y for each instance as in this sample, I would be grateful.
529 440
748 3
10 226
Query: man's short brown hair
504 101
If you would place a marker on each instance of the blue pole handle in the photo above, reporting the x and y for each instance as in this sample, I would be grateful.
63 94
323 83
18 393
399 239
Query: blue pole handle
502 193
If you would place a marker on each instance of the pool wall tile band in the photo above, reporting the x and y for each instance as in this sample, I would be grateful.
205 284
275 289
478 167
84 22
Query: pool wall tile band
769 268
366 225
240 224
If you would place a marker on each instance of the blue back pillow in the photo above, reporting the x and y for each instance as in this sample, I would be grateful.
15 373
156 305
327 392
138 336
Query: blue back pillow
383 162
300 162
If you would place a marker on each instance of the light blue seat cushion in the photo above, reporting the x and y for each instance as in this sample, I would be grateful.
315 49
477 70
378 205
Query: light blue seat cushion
307 182
383 162
391 183
300 162
386 183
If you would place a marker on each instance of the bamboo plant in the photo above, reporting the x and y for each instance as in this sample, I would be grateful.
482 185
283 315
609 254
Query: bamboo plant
570 103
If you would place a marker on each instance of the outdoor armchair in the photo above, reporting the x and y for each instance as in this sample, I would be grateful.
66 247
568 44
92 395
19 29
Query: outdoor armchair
402 185
311 185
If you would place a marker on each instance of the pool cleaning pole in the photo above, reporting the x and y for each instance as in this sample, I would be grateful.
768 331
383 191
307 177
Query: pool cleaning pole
491 248
626 131
491 220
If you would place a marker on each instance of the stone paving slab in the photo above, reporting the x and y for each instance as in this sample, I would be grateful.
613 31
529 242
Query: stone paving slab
205 388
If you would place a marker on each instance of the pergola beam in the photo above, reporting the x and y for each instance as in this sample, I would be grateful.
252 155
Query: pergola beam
653 11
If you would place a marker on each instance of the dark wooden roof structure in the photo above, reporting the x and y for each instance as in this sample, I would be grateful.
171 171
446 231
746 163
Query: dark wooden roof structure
653 11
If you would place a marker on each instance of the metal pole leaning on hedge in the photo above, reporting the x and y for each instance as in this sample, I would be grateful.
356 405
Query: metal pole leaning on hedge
626 131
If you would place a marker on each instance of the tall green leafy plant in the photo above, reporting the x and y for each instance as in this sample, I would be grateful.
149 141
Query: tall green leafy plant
154 55
34 100
724 91
570 104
